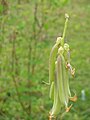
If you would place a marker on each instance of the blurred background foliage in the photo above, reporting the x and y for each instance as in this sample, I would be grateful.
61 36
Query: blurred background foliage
28 29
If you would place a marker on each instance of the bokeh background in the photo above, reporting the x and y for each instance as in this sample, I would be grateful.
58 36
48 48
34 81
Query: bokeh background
28 30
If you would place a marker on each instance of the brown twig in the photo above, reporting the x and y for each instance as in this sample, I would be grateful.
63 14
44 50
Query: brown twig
34 36
28 70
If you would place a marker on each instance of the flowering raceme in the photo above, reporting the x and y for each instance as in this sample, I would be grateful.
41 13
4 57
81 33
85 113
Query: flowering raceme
59 68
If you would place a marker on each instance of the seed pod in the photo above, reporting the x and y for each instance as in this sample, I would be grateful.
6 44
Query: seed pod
57 104
60 79
65 82
52 60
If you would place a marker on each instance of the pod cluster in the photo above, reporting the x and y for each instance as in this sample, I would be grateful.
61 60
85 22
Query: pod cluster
59 71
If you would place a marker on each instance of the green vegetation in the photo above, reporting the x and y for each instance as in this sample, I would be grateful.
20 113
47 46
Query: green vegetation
28 30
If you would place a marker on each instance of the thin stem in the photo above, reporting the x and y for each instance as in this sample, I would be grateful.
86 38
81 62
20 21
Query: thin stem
28 70
65 27
34 36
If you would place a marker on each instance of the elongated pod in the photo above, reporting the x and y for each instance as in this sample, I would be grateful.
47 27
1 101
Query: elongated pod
52 60
67 58
60 85
65 82
57 104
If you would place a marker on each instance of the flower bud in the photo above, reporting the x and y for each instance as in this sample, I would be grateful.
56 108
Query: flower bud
66 16
58 40
66 47
60 50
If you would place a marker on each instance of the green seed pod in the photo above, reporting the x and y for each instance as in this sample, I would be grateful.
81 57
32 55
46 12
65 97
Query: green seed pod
59 74
65 82
57 104
52 60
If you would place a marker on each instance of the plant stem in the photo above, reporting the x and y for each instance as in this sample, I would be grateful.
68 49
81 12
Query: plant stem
64 31
34 36
28 70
